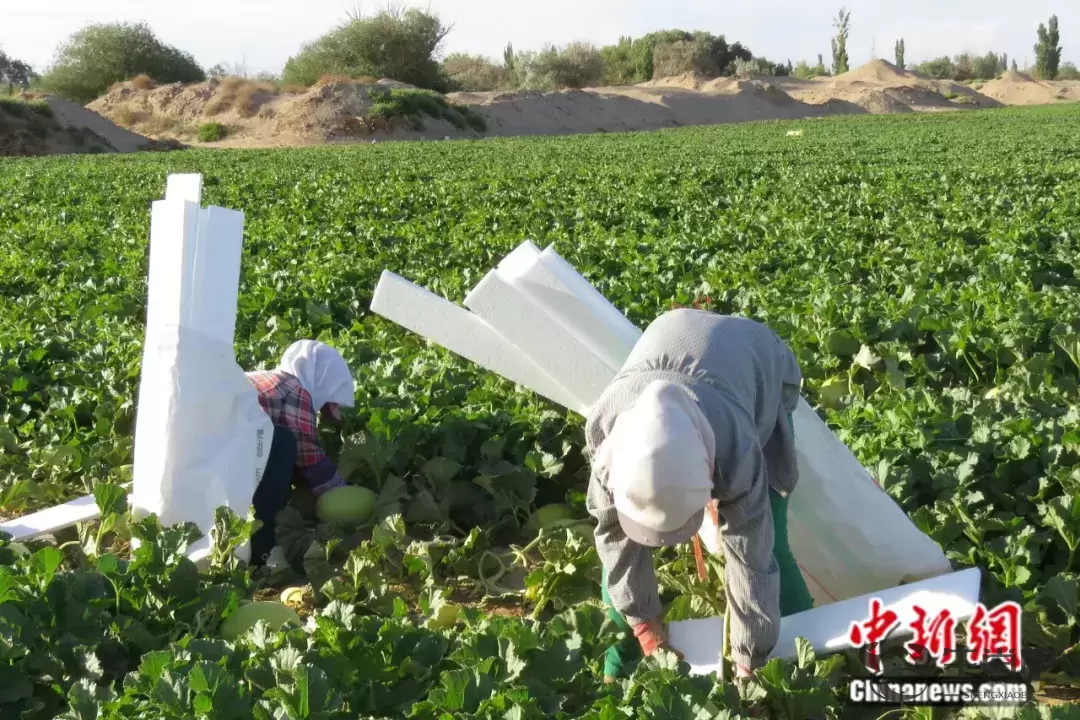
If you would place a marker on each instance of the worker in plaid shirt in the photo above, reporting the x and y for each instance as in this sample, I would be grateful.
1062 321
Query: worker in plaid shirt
311 379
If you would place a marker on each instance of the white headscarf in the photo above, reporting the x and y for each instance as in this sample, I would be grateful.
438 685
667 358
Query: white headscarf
321 371
659 457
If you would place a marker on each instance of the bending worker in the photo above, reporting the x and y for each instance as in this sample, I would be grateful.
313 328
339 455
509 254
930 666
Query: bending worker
700 412
311 379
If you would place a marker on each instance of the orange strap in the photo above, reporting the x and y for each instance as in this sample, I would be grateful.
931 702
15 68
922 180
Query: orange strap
699 557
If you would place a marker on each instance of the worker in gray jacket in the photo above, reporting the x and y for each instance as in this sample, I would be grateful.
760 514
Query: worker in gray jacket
700 412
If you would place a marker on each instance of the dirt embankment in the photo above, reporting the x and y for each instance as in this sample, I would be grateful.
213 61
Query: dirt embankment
30 127
238 113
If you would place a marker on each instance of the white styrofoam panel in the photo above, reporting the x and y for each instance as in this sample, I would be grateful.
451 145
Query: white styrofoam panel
184 187
173 228
543 339
464 334
570 300
827 628
51 519
216 273
522 256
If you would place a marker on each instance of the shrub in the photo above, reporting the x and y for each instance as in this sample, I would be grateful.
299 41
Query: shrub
246 102
941 68
212 132
675 52
99 55
619 63
475 73
142 82
41 107
395 43
674 58
576 65
806 71
758 67
29 109
413 105
1068 71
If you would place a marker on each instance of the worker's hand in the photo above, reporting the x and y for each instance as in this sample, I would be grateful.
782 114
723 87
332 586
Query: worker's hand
652 636
332 411
741 672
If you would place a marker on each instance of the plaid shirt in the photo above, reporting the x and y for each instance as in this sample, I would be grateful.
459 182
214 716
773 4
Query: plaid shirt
289 405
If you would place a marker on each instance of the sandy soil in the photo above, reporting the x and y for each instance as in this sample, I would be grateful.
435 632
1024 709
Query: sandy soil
1015 88
341 111
74 115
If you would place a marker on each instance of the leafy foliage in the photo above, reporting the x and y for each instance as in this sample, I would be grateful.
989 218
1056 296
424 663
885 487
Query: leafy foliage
102 54
212 132
15 73
839 42
413 104
923 269
394 43
1048 51
901 47
576 65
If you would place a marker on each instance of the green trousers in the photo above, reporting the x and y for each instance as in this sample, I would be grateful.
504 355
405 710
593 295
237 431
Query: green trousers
794 595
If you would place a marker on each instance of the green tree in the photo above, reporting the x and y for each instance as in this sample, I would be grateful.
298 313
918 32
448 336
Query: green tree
576 65
395 43
839 43
619 62
820 69
15 73
900 54
508 56
941 68
475 73
102 54
1047 50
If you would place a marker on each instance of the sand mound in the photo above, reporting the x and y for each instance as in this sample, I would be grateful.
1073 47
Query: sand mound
877 71
261 115
1014 88
686 81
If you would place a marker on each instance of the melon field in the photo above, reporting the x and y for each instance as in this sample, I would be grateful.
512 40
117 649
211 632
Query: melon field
922 268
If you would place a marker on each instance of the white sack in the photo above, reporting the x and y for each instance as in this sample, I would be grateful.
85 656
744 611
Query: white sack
849 537
201 437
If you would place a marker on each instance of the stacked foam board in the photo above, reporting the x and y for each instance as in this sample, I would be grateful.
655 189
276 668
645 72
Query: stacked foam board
534 320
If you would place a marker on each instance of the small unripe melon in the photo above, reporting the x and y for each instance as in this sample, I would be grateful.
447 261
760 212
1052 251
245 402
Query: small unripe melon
349 505
445 618
244 618
547 516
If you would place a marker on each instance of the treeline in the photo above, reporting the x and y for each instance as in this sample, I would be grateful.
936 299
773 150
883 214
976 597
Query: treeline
966 67
628 62
405 44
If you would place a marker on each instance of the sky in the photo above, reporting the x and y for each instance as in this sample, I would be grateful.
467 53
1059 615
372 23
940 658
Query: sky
262 34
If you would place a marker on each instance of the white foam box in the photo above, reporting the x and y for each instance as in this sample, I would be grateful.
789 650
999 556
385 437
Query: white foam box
539 336
827 628
463 333
569 299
